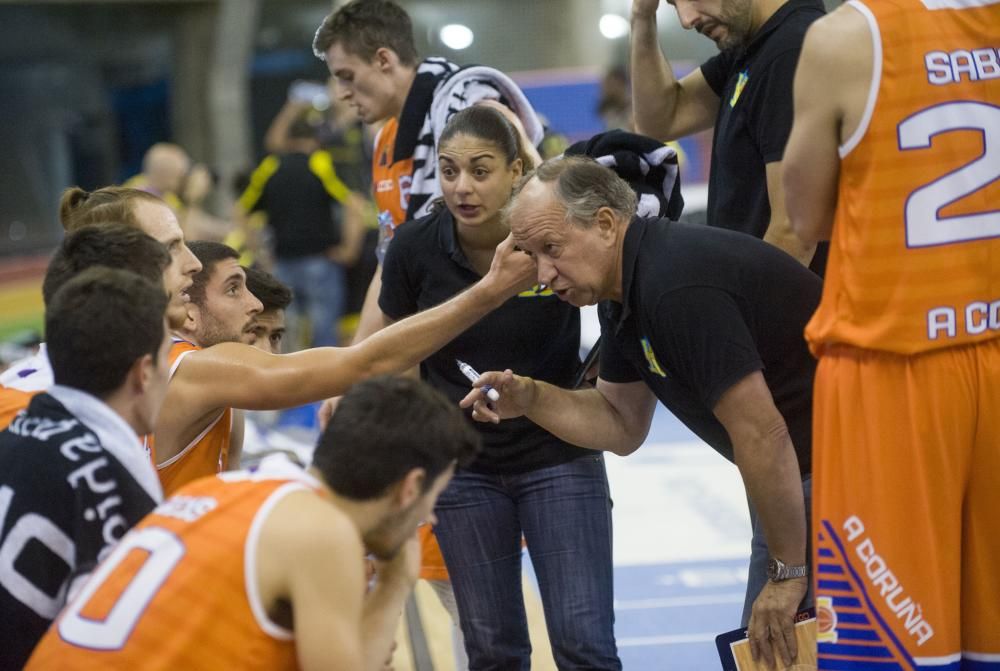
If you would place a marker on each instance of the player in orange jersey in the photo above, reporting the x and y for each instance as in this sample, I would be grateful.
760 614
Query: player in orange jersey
110 205
369 48
282 550
266 334
206 383
221 309
895 156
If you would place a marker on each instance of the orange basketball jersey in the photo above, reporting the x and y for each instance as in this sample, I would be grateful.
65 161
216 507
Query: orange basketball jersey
390 178
915 252
180 590
207 454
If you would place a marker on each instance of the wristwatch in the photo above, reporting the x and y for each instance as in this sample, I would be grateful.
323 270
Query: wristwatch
777 570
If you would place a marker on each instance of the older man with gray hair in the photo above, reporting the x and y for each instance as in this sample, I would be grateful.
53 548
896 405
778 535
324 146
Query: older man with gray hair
708 321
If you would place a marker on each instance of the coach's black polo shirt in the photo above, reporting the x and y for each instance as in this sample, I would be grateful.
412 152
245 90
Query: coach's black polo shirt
754 86
701 309
534 335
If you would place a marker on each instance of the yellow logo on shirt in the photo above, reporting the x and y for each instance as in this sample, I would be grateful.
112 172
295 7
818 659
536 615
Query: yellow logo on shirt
654 365
533 292
741 84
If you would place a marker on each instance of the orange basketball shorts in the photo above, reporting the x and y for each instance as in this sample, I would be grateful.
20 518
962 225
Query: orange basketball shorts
906 503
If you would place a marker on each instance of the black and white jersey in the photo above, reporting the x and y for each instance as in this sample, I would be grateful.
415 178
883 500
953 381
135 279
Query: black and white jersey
73 479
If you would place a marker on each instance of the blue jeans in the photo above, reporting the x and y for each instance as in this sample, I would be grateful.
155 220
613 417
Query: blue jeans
564 513
320 292
759 555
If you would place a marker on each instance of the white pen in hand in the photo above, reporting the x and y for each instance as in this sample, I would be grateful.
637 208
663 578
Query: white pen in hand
470 373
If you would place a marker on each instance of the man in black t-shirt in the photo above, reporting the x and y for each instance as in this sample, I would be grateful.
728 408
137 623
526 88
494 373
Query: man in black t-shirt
74 476
745 93
705 320
317 228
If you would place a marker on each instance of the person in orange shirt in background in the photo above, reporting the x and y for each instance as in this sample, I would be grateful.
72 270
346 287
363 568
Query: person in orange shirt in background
111 205
895 156
283 550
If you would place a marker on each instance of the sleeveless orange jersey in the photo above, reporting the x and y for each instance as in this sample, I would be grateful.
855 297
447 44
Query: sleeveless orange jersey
915 251
207 454
180 590
13 401
390 178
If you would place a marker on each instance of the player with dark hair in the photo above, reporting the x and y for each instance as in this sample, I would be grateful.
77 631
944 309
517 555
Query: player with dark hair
283 549
212 372
268 329
112 245
73 475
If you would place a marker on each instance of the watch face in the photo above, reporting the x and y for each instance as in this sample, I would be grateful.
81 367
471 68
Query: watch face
773 568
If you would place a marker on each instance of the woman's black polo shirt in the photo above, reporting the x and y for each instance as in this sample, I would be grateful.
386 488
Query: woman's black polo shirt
701 309
534 335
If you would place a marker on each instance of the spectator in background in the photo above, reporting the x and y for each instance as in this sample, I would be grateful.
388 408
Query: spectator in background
164 168
337 129
350 142
167 172
615 104
73 475
316 224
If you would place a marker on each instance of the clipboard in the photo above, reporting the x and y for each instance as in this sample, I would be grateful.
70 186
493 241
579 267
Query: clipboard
734 647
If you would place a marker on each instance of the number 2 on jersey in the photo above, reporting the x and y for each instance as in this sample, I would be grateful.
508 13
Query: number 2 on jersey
165 551
924 225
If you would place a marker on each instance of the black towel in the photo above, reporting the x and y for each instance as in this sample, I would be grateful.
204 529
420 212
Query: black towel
649 166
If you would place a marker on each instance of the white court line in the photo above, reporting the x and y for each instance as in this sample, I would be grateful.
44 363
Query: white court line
677 601
637 641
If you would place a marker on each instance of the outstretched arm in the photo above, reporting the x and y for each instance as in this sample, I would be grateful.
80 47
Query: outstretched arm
613 417
236 375
311 556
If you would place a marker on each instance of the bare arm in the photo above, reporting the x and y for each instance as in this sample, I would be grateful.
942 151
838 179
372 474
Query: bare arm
310 555
766 458
240 376
829 103
329 406
664 108
613 417
276 138
779 230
